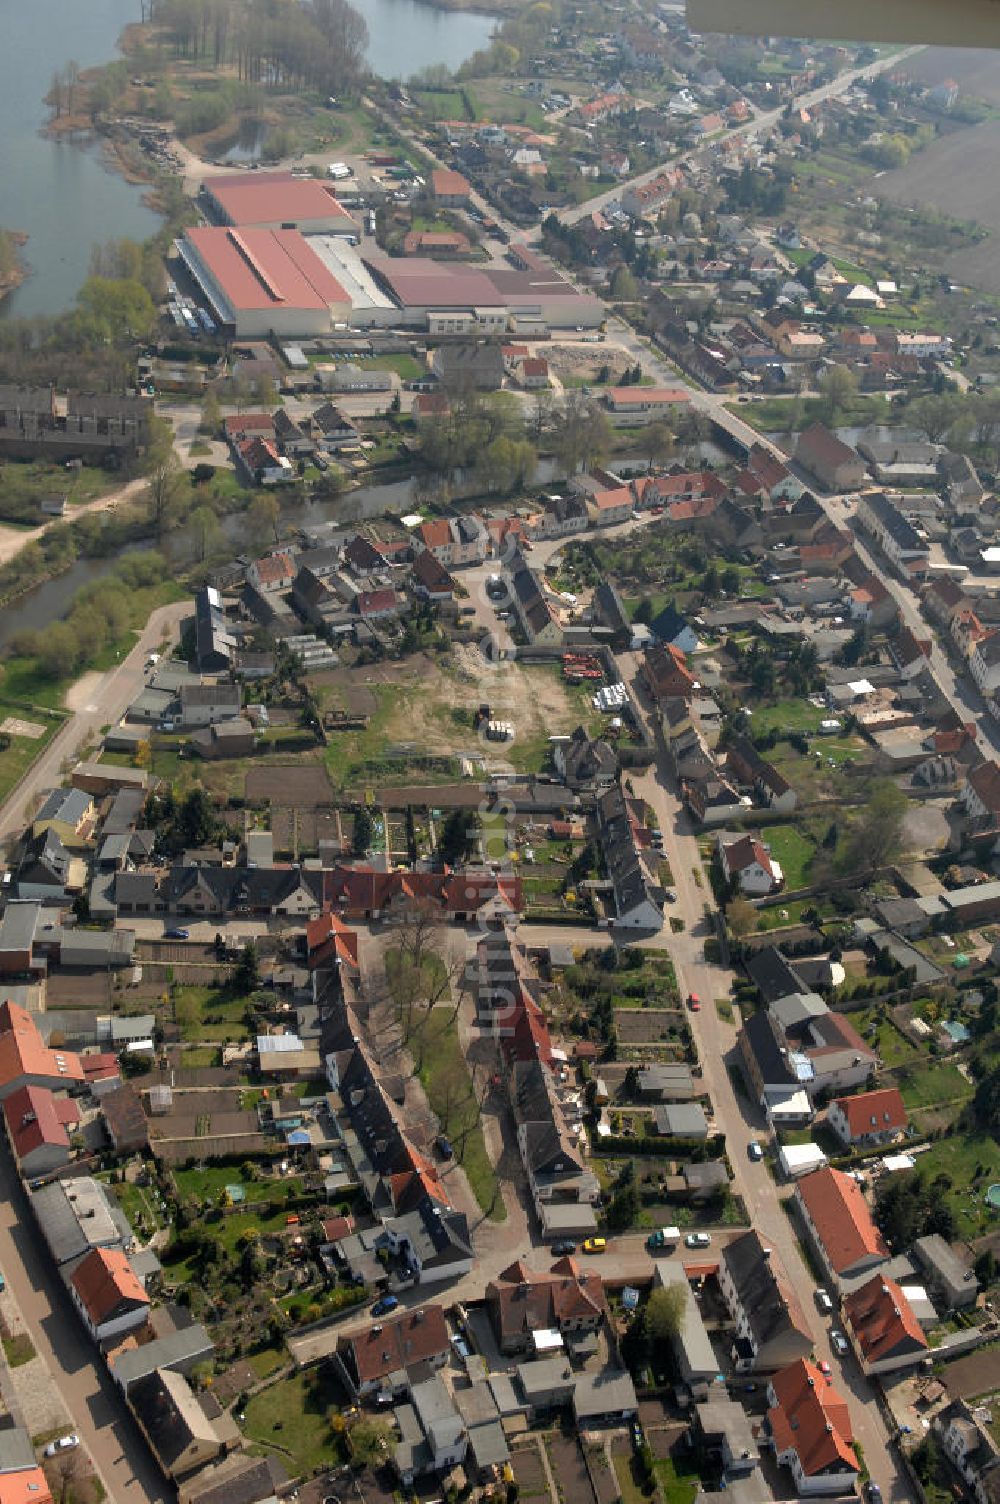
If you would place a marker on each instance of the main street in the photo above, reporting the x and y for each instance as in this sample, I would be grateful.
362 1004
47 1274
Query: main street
762 123
735 1115
90 1396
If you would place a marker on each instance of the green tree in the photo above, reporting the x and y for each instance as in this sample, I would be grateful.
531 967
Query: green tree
263 516
935 414
371 1442
623 285
246 976
205 531
837 387
364 831
664 1313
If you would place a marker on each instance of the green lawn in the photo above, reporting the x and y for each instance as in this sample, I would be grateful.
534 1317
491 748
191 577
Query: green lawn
893 1047
678 1480
207 1182
933 1083
16 759
972 1163
209 1013
793 851
787 715
292 1419
406 367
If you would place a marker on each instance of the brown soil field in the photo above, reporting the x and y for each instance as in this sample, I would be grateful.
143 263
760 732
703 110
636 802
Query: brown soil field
956 175
290 784
976 72
645 1025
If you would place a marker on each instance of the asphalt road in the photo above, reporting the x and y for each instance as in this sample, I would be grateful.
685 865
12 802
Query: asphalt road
117 1449
764 122
742 1120
108 696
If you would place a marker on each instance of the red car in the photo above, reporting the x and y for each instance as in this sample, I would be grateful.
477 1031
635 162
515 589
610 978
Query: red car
824 1368
694 1002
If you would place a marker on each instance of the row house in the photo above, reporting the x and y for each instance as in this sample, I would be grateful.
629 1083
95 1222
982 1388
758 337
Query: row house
771 1325
549 1140
887 1333
903 546
837 1218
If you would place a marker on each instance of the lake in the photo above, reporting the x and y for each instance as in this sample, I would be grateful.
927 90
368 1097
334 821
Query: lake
60 194
407 35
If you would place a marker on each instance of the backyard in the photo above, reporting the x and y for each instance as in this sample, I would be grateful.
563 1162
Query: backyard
293 1419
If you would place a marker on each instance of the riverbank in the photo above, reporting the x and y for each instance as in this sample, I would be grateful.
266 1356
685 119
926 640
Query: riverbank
15 273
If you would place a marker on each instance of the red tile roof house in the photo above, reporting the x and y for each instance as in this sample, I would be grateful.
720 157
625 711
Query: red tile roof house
522 1300
835 464
874 1117
885 1328
38 1125
376 1359
748 863
810 1430
981 794
450 189
25 1060
839 1224
108 1294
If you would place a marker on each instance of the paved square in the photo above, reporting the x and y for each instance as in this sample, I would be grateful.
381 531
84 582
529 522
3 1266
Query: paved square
14 726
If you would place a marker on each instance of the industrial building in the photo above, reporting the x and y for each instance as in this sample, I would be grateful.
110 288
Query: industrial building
262 282
445 297
277 201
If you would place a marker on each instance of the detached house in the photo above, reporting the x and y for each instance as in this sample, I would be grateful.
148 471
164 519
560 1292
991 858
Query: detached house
522 1301
376 1359
809 1427
748 863
971 1448
835 464
873 1117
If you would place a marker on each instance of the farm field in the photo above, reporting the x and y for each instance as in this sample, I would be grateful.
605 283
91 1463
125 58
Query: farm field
955 176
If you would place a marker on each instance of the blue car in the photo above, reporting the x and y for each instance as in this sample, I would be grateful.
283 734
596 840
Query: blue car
385 1305
178 933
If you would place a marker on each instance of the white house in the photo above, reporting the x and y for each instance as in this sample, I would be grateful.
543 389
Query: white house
984 664
981 794
748 862
108 1294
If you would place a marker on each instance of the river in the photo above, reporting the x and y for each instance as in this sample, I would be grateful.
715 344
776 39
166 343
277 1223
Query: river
61 194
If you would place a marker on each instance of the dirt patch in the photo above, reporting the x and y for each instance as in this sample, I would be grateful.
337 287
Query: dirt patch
529 1474
302 830
289 784
569 1467
979 1373
80 695
646 1025
14 726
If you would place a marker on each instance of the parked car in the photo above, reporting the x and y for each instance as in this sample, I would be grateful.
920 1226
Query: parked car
754 1151
563 1247
663 1237
63 1444
823 1301
443 1145
462 1349
694 1002
177 933
385 1305
872 1492
698 1240
841 1346
595 1245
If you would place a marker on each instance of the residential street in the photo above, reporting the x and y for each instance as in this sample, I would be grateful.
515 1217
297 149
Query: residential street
105 698
741 1120
117 1449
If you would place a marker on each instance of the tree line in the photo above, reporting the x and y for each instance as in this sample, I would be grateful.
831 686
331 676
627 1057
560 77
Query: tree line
319 44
